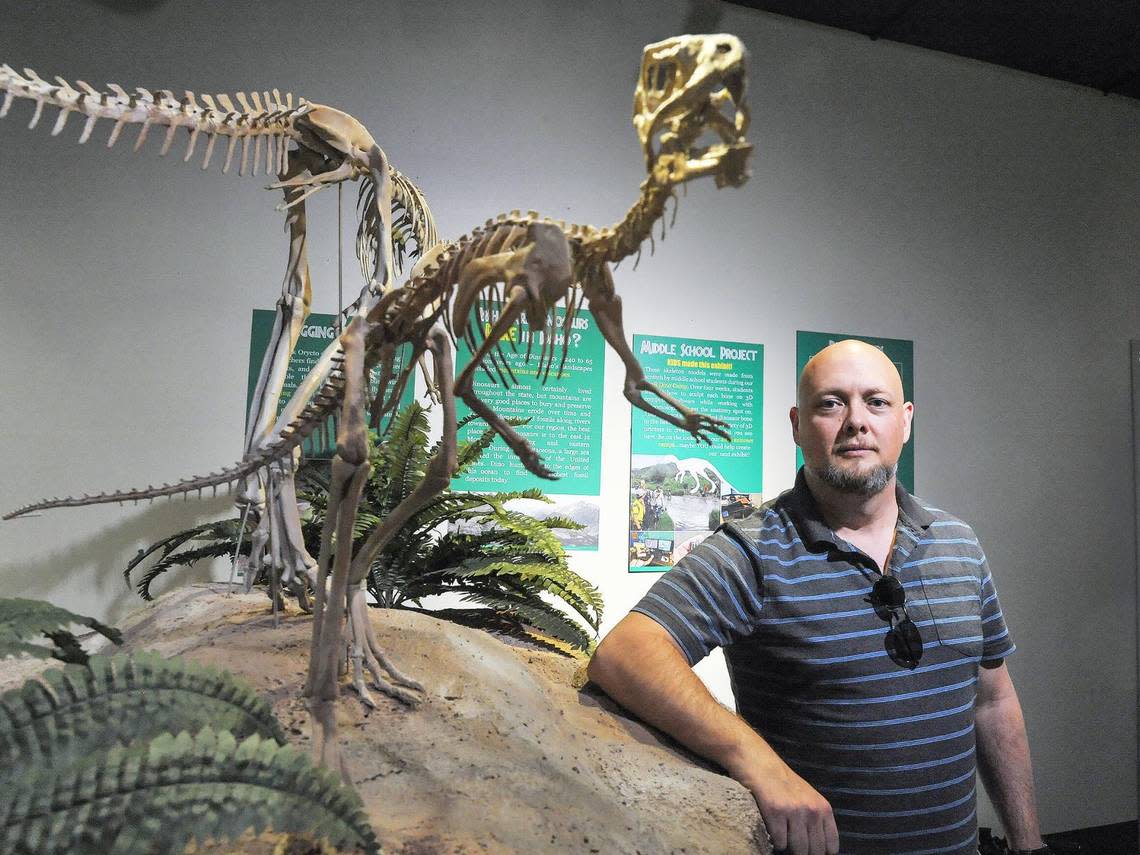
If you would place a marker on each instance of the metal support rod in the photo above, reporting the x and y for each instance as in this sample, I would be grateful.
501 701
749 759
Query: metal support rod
339 257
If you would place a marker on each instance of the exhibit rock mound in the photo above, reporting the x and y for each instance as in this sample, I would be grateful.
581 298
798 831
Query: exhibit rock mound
502 756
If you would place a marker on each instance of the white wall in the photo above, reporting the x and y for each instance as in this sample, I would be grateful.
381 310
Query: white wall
989 215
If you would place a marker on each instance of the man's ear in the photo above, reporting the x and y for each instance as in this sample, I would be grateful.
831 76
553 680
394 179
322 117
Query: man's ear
794 417
908 418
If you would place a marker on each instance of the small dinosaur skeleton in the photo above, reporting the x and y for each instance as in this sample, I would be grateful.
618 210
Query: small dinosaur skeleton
689 87
311 147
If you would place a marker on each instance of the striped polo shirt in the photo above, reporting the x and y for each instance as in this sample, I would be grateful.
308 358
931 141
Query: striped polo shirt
891 749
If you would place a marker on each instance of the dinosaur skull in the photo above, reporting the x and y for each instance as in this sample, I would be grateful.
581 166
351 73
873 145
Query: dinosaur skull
689 109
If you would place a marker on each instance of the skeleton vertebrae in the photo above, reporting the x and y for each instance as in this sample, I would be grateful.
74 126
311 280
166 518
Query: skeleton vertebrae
268 120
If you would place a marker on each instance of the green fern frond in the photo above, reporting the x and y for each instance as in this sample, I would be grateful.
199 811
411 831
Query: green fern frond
529 493
562 522
467 453
364 523
22 621
181 559
178 789
547 619
531 578
74 712
166 545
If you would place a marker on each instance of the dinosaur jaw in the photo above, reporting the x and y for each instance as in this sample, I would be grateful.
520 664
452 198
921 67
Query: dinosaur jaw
689 109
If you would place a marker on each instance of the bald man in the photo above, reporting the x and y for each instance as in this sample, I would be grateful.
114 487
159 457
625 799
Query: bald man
864 642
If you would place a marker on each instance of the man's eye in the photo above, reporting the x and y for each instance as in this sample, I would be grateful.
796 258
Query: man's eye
878 402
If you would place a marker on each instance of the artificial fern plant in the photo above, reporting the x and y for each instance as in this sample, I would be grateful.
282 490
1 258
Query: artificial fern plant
509 569
25 623
140 754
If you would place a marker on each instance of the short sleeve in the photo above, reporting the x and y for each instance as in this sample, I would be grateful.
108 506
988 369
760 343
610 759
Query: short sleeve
711 598
996 641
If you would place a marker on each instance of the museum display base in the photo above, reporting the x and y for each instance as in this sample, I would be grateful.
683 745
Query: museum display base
504 755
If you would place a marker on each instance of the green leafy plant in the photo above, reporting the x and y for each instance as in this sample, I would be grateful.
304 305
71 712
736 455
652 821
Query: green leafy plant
140 754
69 714
175 789
24 623
500 561
509 569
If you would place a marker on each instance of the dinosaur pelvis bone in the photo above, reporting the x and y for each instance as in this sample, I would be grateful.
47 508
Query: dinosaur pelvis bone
689 89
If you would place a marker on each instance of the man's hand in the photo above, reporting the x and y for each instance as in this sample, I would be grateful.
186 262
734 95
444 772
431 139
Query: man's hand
798 819
640 666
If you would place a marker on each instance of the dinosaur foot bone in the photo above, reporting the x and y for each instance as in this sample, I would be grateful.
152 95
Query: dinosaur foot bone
366 651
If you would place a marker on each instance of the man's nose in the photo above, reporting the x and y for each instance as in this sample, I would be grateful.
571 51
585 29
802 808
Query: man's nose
856 420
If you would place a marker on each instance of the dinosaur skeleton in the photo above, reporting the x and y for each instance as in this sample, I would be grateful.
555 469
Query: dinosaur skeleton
311 147
689 87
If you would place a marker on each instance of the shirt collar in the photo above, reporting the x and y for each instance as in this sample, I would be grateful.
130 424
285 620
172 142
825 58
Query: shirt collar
814 531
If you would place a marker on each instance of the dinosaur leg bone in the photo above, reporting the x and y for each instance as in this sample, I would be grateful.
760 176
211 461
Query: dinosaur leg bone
278 517
365 649
349 473
297 566
606 307
439 470
292 309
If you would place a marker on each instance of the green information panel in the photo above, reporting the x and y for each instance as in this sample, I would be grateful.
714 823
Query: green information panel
565 423
317 334
565 413
680 490
899 350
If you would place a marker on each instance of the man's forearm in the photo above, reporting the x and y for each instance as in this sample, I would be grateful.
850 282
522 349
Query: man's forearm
639 666
1004 762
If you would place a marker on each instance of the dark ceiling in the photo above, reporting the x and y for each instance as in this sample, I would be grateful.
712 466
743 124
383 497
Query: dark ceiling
1093 43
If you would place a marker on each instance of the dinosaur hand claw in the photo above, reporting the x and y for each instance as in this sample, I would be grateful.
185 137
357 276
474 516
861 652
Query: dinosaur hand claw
537 467
700 426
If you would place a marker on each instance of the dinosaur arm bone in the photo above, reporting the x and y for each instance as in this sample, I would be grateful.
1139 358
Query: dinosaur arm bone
606 306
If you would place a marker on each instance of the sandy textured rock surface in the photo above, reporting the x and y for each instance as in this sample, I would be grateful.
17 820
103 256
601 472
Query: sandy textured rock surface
503 756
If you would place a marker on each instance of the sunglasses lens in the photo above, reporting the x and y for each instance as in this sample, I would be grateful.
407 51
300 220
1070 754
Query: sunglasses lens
889 591
904 644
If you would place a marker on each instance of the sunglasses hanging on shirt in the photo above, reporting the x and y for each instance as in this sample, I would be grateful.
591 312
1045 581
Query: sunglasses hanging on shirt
903 642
